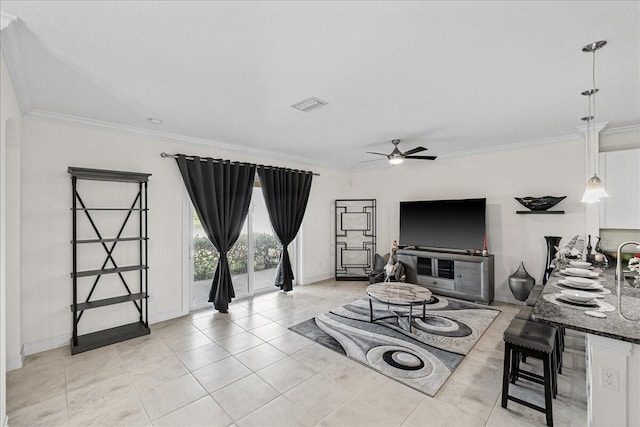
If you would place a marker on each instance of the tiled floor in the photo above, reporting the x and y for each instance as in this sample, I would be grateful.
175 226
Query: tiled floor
247 369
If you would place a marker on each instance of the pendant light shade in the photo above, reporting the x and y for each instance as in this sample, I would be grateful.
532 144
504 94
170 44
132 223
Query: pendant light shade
594 190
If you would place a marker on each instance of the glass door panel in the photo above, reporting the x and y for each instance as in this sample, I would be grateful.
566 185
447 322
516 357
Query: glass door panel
205 261
266 245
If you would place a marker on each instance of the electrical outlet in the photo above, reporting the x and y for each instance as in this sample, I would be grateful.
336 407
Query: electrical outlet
610 379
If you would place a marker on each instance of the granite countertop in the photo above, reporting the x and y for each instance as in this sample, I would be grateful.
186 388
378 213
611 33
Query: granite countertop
613 326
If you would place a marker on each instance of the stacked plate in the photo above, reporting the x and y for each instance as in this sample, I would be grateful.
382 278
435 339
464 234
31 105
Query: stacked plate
579 272
580 264
581 283
576 297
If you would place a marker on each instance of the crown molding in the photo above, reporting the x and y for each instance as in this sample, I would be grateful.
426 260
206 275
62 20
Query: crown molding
623 129
521 144
10 47
149 133
6 20
598 127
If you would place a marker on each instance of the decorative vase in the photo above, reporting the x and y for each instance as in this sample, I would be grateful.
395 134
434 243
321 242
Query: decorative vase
552 245
521 283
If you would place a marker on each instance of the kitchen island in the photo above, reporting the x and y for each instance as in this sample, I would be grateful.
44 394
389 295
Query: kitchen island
612 347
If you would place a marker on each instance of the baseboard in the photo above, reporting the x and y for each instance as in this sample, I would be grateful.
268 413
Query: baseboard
317 278
50 343
45 344
15 362
167 315
5 422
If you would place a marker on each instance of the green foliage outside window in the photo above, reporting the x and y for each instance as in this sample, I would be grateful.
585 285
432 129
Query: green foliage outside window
205 257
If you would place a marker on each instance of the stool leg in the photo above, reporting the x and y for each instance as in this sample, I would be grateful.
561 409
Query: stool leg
505 373
554 362
548 380
514 365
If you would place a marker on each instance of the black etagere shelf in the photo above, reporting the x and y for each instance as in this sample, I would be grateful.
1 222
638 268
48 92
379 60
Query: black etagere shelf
138 209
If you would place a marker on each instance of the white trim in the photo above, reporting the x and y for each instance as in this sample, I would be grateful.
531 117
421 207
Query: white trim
623 129
5 422
167 315
610 344
313 279
6 20
45 344
16 362
182 139
522 144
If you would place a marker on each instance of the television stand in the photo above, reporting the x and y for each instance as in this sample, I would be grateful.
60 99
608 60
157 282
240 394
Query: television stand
457 275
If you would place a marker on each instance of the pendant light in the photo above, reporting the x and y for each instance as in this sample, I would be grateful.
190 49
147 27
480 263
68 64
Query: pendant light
594 189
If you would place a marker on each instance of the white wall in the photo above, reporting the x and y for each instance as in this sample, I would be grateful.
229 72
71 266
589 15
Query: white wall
48 149
10 128
538 170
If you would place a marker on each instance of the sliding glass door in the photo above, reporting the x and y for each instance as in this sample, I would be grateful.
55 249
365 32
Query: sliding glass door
257 243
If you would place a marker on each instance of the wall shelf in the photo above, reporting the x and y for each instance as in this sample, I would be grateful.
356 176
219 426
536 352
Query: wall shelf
540 212
137 210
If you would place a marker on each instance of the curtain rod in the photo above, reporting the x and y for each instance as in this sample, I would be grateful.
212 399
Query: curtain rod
204 159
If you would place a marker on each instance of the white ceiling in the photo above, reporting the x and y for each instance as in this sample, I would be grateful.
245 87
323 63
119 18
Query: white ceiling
451 76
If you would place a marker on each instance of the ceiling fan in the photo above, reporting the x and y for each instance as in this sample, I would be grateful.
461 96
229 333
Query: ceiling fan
396 157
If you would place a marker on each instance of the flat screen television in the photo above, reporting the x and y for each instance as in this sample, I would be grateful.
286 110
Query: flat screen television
443 224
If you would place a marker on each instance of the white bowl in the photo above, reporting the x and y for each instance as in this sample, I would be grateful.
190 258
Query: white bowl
577 296
580 272
580 280
580 264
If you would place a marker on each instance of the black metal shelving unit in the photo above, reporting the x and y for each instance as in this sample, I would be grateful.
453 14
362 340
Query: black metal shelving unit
355 238
81 343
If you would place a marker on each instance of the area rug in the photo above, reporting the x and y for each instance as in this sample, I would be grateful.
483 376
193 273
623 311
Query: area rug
422 359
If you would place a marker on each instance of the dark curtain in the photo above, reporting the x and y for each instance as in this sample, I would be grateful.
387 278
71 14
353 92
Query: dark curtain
220 192
286 193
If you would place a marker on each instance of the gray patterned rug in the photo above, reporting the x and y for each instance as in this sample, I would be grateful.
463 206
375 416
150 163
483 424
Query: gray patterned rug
422 359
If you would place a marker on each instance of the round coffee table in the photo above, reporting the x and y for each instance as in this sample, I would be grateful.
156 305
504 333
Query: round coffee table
403 294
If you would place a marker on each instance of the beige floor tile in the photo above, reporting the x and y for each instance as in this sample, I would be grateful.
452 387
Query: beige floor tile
436 413
351 375
280 412
269 332
87 398
319 396
253 321
203 356
286 374
163 399
223 330
126 411
239 343
204 412
318 357
244 396
21 384
182 343
153 374
78 378
168 328
49 413
220 374
290 342
361 413
277 313
471 398
260 356
207 322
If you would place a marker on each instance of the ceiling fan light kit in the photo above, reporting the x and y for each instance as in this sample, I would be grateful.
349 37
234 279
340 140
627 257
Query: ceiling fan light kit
396 156
594 189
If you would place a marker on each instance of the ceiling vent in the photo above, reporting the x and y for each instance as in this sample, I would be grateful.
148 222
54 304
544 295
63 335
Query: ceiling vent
309 104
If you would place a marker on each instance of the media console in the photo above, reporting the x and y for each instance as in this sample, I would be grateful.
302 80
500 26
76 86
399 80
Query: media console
456 275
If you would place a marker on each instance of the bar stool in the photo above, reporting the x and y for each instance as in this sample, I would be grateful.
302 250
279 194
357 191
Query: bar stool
534 340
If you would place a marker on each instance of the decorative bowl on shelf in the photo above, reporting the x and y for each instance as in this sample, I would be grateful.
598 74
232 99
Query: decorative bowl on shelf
539 203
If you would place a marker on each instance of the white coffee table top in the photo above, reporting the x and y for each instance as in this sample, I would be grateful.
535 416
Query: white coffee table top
398 293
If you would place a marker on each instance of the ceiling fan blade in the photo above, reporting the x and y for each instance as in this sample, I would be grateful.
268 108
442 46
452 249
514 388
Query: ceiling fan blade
421 157
368 161
379 154
415 150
